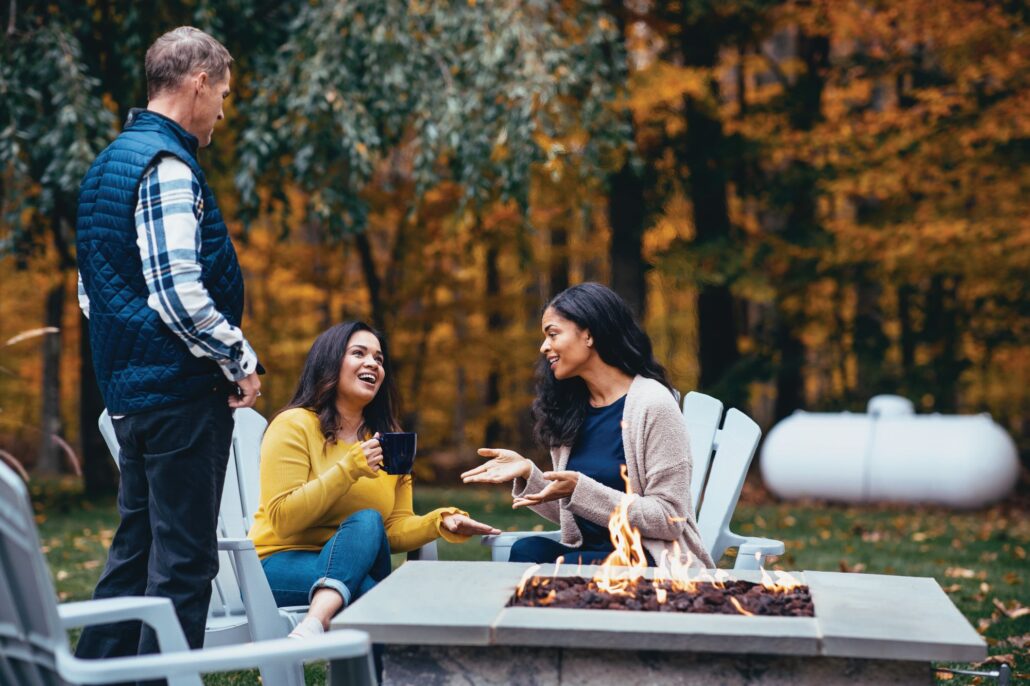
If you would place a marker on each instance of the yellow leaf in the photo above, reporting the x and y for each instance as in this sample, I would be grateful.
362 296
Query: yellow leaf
959 573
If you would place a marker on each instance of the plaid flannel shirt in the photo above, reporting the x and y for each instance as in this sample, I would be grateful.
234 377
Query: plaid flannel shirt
168 213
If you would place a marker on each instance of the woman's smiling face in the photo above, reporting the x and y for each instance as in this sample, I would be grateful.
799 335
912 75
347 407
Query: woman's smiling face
566 347
361 373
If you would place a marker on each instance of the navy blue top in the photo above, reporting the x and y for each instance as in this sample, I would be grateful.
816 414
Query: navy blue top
598 454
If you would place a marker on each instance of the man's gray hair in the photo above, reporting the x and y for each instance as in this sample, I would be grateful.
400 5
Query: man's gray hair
183 52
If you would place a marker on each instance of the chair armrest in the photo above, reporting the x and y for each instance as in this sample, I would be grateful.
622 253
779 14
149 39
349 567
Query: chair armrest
156 612
427 552
263 616
500 544
754 550
235 544
335 645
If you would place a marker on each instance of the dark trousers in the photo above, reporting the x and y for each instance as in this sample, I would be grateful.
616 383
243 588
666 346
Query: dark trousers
540 549
173 463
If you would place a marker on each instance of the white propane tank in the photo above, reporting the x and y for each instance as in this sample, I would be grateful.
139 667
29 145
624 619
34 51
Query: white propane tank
890 454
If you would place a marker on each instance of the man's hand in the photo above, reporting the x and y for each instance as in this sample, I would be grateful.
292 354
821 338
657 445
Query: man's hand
250 389
562 485
466 526
506 465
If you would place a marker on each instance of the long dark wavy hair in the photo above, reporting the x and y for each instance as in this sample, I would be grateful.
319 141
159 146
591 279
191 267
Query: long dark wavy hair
561 406
316 390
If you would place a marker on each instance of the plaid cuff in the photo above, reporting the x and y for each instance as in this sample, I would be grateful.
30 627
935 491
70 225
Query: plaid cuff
242 365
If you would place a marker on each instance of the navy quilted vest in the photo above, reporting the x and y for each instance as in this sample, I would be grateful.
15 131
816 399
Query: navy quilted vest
140 363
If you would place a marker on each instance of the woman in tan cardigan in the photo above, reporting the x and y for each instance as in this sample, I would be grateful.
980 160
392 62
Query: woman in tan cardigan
603 402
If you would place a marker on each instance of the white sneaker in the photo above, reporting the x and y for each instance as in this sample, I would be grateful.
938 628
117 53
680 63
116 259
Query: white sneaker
308 627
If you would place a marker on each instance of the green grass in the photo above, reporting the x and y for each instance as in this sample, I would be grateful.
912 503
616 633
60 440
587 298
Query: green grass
978 557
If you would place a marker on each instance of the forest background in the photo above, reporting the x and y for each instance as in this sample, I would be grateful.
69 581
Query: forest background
807 203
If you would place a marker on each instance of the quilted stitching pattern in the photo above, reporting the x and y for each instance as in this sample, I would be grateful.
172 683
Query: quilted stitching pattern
140 363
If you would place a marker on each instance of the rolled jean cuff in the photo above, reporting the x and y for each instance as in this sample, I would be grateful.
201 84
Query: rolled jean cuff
326 582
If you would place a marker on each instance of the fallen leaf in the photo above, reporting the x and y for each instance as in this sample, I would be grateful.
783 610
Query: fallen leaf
985 587
90 564
61 575
954 588
959 573
945 676
1012 579
1007 659
1019 641
919 537
1015 612
1020 552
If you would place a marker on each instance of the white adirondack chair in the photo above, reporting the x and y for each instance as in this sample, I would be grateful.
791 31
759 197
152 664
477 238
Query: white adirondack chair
242 606
721 457
34 648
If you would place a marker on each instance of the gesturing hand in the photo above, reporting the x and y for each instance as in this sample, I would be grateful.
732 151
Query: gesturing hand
506 465
373 453
466 526
562 485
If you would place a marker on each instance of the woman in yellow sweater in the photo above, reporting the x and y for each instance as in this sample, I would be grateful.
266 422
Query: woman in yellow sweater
329 517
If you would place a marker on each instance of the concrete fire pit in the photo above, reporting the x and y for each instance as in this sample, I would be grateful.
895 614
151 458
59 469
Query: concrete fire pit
446 622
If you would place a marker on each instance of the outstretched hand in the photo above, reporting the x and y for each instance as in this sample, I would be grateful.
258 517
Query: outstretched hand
466 526
506 465
562 485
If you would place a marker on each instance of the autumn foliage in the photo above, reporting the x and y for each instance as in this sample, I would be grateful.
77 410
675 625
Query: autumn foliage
820 201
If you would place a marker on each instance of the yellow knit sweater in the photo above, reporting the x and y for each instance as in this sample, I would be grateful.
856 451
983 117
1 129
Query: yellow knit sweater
308 488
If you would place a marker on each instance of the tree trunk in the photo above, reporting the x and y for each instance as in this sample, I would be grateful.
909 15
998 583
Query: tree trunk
98 470
869 341
372 281
790 385
495 327
703 152
908 335
941 333
50 416
627 216
802 226
559 264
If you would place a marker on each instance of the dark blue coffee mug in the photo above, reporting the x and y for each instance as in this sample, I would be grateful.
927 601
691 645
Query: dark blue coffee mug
398 452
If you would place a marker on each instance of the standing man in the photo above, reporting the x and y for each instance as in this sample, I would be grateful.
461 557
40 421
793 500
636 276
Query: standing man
163 291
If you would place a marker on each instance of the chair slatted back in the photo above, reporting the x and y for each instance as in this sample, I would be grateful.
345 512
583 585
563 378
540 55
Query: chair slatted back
250 428
735 445
30 630
238 505
702 414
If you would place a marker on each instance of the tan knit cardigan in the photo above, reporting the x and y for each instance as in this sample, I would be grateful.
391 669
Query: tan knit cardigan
654 438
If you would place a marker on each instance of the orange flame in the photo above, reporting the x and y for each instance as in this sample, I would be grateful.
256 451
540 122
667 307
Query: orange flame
626 567
525 579
557 566
741 610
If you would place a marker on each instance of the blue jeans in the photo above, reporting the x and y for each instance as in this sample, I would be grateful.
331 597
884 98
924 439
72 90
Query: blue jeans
354 560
